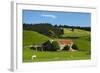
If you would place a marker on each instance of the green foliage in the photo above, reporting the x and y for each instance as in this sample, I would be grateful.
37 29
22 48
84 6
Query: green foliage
43 28
55 45
52 34
72 29
66 48
75 47
32 48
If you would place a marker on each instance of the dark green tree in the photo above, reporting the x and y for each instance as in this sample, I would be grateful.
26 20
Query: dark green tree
55 45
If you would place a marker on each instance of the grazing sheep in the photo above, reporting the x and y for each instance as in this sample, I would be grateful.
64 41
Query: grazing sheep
33 57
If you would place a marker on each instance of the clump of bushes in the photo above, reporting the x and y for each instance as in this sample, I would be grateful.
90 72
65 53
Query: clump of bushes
52 34
75 47
66 48
55 45
32 48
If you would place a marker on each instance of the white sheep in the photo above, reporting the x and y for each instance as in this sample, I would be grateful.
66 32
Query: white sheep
33 57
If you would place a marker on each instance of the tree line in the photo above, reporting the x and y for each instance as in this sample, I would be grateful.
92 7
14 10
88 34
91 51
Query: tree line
44 28
51 30
87 28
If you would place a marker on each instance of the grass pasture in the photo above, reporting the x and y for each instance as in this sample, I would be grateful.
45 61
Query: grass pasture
32 37
80 37
54 56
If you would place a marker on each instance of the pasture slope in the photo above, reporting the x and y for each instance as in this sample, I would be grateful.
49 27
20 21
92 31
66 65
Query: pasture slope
80 37
32 37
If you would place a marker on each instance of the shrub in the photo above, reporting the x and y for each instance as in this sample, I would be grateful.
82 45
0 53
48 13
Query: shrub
55 45
88 53
66 48
75 47
32 48
52 34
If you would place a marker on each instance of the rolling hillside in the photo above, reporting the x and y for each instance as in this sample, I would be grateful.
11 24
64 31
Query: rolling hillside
80 37
32 37
75 33
43 28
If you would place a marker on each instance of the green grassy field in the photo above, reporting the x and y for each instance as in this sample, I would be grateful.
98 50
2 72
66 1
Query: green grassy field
54 56
80 37
76 33
32 37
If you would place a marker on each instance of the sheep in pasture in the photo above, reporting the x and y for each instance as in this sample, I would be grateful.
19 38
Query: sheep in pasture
33 57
